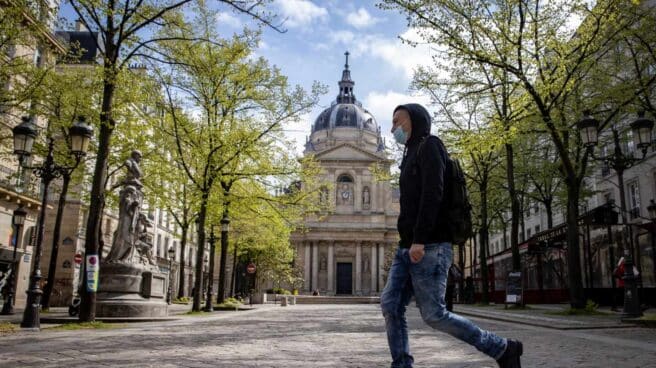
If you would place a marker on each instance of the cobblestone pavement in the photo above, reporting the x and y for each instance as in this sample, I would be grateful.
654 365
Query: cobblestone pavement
312 336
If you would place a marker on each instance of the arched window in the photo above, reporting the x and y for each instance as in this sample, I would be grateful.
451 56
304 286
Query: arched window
344 179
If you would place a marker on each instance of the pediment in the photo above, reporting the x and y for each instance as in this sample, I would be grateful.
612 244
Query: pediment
347 152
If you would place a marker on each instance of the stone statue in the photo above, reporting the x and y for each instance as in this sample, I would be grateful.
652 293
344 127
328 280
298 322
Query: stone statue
144 242
323 195
366 200
130 284
131 243
125 236
323 263
134 172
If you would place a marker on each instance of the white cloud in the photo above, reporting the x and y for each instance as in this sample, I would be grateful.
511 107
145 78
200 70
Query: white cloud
382 104
230 20
361 19
344 37
403 57
299 13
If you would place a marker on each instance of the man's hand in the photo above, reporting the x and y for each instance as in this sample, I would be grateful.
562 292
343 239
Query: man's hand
416 253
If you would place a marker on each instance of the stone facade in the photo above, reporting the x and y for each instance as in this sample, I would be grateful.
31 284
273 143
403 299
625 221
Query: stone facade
343 252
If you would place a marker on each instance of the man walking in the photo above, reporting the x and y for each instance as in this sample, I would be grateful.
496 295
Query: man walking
422 262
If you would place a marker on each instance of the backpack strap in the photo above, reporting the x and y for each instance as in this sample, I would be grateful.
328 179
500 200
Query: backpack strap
439 142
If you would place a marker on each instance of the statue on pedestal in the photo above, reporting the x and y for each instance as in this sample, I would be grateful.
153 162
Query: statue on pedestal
131 243
131 283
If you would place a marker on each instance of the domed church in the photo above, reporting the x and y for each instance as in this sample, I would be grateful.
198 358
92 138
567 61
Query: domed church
343 252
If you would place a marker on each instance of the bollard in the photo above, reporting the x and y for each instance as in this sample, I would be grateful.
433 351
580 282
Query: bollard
283 301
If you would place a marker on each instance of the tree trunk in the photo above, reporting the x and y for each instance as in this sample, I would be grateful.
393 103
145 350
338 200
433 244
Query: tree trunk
461 264
183 252
200 252
220 297
577 299
47 290
484 235
88 304
514 201
549 208
233 278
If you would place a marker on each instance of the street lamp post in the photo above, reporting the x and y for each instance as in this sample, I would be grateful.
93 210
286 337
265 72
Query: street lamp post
210 279
652 215
203 276
225 227
642 128
18 220
169 293
24 136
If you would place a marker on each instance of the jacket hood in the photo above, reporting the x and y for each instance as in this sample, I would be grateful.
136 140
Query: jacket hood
420 119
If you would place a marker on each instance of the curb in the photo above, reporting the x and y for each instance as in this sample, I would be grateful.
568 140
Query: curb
641 322
62 320
544 325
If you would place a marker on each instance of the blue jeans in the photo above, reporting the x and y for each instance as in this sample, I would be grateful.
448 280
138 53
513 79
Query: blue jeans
427 281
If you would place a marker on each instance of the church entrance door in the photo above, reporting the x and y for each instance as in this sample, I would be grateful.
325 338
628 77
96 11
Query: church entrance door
345 278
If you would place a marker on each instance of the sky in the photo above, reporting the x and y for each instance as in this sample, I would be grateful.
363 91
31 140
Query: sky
312 49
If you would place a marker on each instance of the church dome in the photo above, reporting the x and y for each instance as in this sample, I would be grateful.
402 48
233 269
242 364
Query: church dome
345 115
346 111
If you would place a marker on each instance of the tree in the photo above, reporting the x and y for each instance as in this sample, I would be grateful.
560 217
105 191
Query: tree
225 109
555 65
497 92
127 31
64 95
23 27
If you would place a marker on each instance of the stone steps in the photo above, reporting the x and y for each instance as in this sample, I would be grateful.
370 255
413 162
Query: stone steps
308 299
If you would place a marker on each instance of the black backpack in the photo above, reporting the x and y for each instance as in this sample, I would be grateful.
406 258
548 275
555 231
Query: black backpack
456 201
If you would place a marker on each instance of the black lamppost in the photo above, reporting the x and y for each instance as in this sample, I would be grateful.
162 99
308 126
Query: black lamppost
18 220
169 293
24 135
210 278
201 292
225 227
641 127
652 215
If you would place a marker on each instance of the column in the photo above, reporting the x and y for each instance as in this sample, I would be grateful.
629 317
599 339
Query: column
331 267
306 267
358 268
372 268
315 265
381 263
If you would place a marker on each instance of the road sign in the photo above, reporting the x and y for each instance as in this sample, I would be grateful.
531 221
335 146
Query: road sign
78 258
92 273
250 268
514 291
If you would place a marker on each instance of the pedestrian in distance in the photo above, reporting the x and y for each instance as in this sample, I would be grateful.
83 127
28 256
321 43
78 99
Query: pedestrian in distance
424 256
453 277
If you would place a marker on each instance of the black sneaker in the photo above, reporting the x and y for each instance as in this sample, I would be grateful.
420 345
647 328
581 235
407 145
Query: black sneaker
510 357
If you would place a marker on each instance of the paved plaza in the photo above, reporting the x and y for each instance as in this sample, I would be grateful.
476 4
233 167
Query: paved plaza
312 336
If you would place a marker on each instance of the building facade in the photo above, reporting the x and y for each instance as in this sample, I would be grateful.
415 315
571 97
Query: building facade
34 44
543 249
343 252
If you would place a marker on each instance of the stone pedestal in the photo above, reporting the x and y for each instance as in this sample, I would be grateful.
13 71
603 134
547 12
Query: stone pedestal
131 290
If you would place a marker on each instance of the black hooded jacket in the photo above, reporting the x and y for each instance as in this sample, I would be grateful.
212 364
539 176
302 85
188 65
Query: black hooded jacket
422 184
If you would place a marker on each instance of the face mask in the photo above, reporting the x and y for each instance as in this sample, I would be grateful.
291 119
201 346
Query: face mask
400 135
